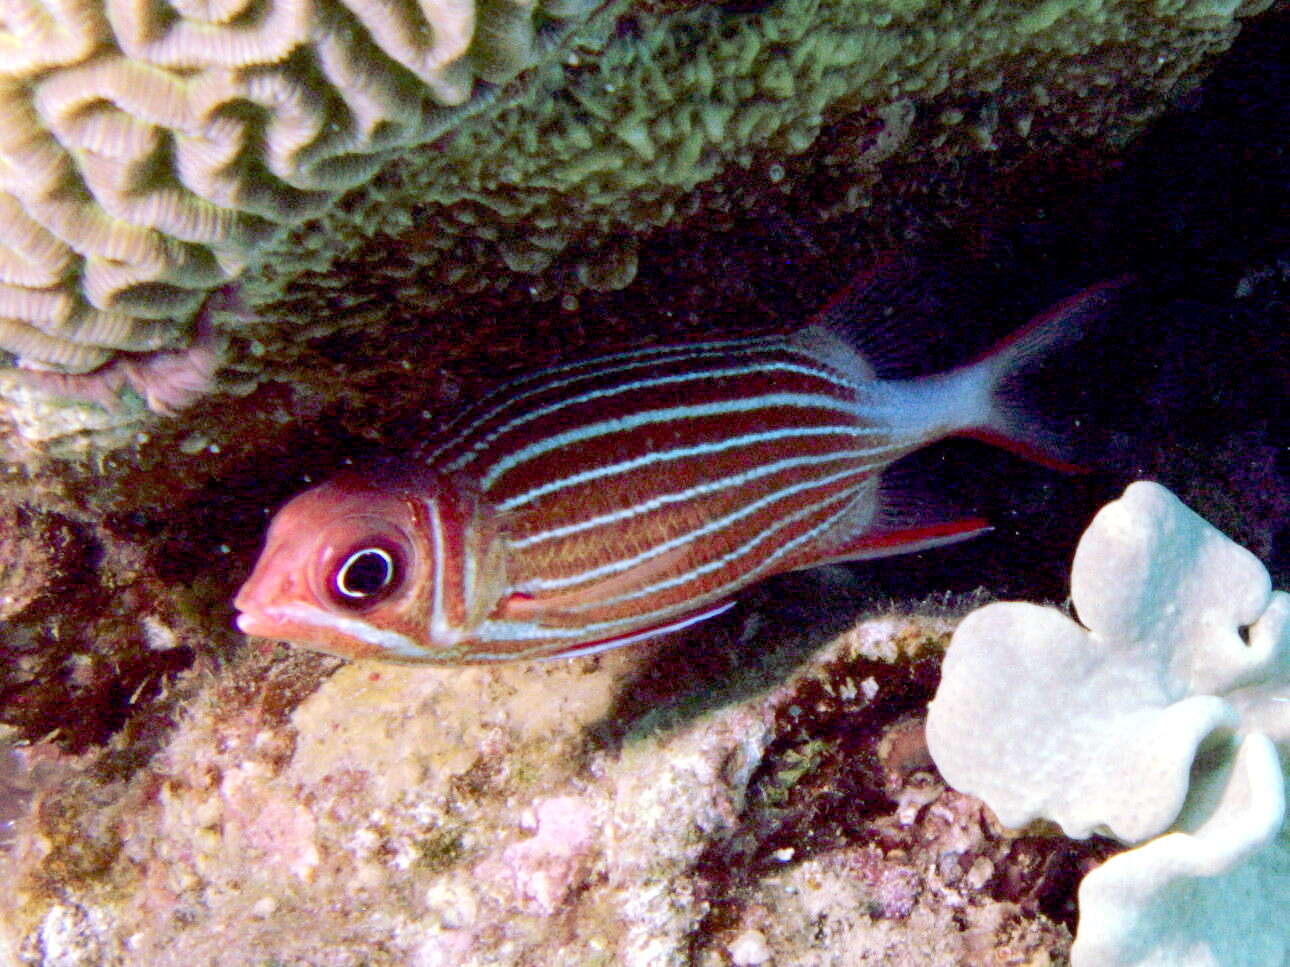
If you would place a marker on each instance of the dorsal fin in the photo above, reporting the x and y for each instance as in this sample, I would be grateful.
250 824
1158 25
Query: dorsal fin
829 347
884 315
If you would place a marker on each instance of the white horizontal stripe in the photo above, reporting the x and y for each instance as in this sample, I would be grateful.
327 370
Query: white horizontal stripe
717 564
619 389
529 631
532 631
667 414
594 368
389 641
495 630
681 453
622 564
702 490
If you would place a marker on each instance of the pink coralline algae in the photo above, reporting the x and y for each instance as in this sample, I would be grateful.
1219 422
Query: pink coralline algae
556 859
167 380
281 832
893 888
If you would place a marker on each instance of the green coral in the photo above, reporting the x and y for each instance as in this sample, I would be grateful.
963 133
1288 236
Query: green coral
620 138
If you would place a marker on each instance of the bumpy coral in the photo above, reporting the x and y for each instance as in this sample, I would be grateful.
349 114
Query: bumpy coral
705 99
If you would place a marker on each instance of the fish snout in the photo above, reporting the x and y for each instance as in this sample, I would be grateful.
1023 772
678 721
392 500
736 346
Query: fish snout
261 597
248 625
251 619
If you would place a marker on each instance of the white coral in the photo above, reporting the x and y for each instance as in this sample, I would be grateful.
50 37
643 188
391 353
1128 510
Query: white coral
1209 893
1163 713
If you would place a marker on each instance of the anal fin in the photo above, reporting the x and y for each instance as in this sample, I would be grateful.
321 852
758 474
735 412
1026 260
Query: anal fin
908 540
895 514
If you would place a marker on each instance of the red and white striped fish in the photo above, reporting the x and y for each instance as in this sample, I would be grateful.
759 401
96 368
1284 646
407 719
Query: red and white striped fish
603 502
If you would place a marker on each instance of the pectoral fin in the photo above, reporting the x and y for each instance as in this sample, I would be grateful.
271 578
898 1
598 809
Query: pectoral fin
489 583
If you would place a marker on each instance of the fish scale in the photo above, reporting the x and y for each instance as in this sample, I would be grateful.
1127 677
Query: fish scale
517 396
495 437
692 534
695 476
613 499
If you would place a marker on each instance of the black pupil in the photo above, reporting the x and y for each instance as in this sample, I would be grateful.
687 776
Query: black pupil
365 573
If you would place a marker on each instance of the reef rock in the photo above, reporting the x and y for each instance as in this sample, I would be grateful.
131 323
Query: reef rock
613 810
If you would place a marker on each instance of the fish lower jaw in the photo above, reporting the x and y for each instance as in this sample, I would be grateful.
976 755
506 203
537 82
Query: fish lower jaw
254 625
348 637
445 638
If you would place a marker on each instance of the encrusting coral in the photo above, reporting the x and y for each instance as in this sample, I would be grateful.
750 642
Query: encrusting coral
1162 719
151 153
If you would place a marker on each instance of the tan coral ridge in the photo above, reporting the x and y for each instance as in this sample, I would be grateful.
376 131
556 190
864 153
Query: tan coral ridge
147 150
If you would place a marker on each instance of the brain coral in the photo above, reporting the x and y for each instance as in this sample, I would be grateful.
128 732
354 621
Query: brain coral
151 152
147 150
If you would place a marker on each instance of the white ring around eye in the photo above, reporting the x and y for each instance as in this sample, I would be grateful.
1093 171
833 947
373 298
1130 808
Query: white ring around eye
350 561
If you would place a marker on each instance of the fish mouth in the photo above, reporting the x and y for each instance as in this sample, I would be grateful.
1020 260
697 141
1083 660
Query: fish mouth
276 621
253 624
255 611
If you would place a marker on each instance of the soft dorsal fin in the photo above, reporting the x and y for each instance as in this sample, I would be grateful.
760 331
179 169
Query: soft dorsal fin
830 348
882 316
909 315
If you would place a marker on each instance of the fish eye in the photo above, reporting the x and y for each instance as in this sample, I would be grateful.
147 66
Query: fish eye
367 573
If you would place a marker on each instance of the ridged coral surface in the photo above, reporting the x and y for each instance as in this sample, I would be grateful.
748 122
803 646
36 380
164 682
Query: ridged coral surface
699 112
148 150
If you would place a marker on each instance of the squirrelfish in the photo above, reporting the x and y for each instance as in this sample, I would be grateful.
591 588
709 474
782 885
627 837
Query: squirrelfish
606 501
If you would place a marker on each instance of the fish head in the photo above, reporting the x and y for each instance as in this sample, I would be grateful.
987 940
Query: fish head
349 568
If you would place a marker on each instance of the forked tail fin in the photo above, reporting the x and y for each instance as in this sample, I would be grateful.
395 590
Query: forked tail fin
1009 418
